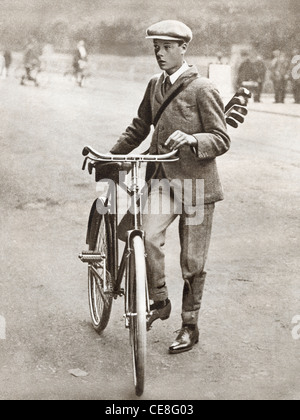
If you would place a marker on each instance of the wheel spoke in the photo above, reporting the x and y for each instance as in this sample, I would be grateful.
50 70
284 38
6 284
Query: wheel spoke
137 305
100 296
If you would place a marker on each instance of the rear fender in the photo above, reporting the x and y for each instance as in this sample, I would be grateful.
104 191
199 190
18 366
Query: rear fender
94 212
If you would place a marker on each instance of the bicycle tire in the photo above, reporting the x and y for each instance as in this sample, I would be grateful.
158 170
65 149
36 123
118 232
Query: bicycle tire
19 72
42 78
100 300
137 309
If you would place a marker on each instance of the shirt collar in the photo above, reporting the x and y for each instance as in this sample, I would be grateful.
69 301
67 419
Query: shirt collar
177 73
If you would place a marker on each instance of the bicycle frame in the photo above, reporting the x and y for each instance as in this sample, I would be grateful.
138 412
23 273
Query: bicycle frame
123 268
135 161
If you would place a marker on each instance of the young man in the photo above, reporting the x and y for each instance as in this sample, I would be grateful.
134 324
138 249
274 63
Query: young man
193 123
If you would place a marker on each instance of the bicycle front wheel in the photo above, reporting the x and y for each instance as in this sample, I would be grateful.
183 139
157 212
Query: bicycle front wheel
99 274
42 78
19 73
137 312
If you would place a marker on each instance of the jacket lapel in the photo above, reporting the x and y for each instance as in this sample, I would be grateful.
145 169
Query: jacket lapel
159 98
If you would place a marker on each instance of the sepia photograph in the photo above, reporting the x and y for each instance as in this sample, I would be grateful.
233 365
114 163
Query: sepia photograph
149 202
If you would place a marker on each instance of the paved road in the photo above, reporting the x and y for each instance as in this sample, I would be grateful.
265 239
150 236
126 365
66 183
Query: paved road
246 348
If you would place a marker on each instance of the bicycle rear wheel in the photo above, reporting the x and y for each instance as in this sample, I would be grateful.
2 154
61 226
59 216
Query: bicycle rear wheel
42 78
137 309
19 73
99 274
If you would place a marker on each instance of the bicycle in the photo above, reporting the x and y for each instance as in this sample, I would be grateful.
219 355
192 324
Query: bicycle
105 275
34 73
78 76
105 278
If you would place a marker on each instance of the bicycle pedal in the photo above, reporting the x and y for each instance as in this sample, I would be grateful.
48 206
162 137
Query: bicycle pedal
118 293
91 257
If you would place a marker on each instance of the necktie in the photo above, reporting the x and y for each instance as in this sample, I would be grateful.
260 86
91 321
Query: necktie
166 85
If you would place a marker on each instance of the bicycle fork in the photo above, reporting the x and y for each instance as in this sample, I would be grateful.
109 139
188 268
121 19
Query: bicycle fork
125 265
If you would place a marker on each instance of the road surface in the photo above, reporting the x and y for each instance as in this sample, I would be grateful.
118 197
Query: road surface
246 348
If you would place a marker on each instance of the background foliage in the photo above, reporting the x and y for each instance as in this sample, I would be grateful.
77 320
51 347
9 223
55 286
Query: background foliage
118 26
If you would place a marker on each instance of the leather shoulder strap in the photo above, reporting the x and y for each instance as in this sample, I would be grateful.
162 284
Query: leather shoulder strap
171 97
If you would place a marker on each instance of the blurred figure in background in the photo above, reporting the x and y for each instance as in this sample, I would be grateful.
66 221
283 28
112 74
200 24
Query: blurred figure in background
220 59
80 59
5 62
280 69
2 64
219 72
31 61
8 60
247 75
295 75
260 70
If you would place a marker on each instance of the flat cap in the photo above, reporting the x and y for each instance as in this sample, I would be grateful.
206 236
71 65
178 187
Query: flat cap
170 30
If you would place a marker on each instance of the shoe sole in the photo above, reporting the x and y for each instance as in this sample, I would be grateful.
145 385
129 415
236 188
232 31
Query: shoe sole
183 350
162 318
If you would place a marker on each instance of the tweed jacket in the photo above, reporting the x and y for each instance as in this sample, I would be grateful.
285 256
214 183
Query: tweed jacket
197 110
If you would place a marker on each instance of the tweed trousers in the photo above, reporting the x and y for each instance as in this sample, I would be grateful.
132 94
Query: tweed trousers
194 242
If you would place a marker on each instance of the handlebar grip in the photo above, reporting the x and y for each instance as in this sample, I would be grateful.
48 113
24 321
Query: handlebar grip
85 151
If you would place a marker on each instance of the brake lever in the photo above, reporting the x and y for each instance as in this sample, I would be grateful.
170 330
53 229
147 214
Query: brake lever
84 163
90 167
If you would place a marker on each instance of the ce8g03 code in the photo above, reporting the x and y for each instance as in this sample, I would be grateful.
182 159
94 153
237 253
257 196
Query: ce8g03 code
163 409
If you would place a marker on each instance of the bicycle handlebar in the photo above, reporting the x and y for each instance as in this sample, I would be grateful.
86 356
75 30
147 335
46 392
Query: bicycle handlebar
130 158
237 103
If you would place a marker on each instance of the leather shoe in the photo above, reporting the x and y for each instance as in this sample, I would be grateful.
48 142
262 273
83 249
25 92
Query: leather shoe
161 313
185 340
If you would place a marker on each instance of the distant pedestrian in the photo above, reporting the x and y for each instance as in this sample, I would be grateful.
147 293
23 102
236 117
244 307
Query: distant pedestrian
8 59
247 75
280 73
219 60
80 59
32 62
260 70
295 75
2 64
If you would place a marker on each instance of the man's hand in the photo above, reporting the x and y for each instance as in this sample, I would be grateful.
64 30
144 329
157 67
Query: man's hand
179 139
